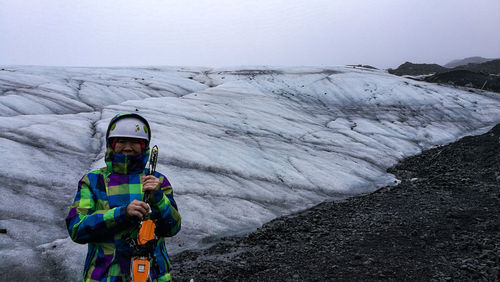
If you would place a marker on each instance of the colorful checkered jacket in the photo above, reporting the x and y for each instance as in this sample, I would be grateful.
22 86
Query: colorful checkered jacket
98 217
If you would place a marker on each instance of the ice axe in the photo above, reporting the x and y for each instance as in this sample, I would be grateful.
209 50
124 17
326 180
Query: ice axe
146 238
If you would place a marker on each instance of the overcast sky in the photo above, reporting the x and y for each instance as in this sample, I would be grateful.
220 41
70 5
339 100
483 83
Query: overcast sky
215 33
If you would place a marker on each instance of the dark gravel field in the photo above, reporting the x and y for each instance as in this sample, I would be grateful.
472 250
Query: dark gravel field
442 223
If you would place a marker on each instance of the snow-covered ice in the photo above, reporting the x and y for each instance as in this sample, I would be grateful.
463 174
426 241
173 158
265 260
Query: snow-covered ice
240 146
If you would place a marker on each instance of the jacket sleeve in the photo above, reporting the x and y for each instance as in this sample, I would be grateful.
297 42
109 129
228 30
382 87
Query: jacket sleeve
165 209
86 224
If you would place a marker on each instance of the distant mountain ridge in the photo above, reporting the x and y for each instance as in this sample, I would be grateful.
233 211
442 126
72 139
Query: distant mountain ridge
485 75
409 68
488 67
466 61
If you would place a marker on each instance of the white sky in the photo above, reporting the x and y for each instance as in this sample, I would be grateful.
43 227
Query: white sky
382 33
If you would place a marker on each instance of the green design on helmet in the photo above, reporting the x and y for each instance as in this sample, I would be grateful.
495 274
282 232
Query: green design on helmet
129 125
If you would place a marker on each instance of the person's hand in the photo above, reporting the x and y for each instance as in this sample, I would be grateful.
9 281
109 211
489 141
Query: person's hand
137 209
150 183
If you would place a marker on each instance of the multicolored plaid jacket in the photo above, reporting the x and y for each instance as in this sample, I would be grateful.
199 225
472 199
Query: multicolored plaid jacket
98 217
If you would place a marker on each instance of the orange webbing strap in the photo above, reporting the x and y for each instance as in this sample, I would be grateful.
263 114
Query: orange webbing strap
147 232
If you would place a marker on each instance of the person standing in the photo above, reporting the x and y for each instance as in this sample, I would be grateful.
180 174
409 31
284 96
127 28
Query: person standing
109 204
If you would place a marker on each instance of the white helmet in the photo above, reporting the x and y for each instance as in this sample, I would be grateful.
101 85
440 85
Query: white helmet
131 127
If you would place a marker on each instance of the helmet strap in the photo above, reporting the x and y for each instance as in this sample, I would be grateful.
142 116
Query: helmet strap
113 142
143 145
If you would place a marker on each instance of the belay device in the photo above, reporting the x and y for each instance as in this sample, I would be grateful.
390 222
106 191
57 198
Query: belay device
145 244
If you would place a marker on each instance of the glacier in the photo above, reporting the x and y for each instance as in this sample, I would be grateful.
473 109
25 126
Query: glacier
240 145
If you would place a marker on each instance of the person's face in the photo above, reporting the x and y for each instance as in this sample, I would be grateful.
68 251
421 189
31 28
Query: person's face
128 146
